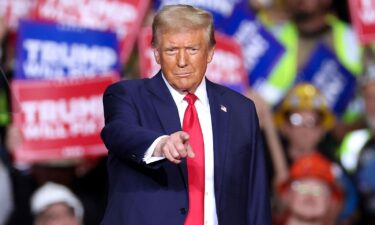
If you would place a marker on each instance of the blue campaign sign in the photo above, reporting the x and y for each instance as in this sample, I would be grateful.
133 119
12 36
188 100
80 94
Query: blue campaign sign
220 10
334 81
51 51
260 48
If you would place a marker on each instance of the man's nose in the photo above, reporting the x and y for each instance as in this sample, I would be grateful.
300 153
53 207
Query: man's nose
182 58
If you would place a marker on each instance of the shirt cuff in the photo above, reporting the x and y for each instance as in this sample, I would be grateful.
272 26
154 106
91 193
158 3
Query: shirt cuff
148 158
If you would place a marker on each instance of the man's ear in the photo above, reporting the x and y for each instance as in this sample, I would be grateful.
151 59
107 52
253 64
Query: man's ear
157 56
211 52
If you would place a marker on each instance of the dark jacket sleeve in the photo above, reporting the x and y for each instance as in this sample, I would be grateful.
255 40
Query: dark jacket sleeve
123 134
259 200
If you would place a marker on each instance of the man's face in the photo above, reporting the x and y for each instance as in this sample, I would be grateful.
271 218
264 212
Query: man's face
183 57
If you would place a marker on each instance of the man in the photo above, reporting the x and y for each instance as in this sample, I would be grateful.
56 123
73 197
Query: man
159 174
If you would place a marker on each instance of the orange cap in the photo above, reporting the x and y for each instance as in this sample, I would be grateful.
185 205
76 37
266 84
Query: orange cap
313 166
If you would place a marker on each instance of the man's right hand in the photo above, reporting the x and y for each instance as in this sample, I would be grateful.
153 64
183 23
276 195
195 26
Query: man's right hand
174 147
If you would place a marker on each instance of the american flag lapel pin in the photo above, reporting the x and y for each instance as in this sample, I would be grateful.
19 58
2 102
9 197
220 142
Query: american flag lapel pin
223 108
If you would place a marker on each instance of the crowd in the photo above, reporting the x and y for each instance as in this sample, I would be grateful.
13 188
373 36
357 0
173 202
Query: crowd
320 165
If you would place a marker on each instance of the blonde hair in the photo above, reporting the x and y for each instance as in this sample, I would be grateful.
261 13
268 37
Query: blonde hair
178 18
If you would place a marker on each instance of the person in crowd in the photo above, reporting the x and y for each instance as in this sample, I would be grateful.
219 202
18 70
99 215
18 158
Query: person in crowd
310 192
183 150
55 204
312 23
304 118
357 151
86 177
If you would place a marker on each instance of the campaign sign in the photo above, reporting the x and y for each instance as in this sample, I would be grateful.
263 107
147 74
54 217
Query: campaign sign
260 48
51 51
121 16
147 64
220 10
14 10
363 17
226 68
333 80
60 119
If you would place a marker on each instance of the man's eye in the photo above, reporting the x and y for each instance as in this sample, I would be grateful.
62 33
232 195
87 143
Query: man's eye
192 50
171 51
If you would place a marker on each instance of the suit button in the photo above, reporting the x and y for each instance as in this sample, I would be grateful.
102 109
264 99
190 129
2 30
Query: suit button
183 211
134 156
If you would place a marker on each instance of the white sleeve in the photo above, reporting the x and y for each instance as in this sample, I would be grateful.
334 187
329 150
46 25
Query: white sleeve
148 158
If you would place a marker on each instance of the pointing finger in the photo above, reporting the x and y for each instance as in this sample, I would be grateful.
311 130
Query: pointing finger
190 151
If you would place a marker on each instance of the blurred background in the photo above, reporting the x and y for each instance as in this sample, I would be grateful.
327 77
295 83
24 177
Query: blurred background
309 66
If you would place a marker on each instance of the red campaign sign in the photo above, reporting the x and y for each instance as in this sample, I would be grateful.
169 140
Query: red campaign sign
13 10
147 64
121 16
227 67
60 119
363 18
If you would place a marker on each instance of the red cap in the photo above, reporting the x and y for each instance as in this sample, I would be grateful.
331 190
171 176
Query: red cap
313 166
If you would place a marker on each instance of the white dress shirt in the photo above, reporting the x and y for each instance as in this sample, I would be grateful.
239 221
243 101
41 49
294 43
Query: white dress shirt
203 109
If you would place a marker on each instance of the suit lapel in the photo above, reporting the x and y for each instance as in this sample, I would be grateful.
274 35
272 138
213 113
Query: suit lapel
167 112
164 105
220 112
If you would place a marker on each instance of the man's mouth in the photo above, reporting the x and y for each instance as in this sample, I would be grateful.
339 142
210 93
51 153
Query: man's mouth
183 74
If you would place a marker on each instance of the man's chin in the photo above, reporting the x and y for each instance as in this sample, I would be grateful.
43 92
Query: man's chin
184 88
301 17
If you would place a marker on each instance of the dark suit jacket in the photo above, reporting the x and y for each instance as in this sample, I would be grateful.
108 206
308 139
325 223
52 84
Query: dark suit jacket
136 113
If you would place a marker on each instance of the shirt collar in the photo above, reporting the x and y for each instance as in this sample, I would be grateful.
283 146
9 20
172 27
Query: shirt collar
201 92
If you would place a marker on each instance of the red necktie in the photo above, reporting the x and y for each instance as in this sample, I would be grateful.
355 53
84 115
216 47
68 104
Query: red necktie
195 165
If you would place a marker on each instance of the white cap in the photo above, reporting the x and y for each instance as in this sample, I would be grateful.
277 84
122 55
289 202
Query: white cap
52 193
